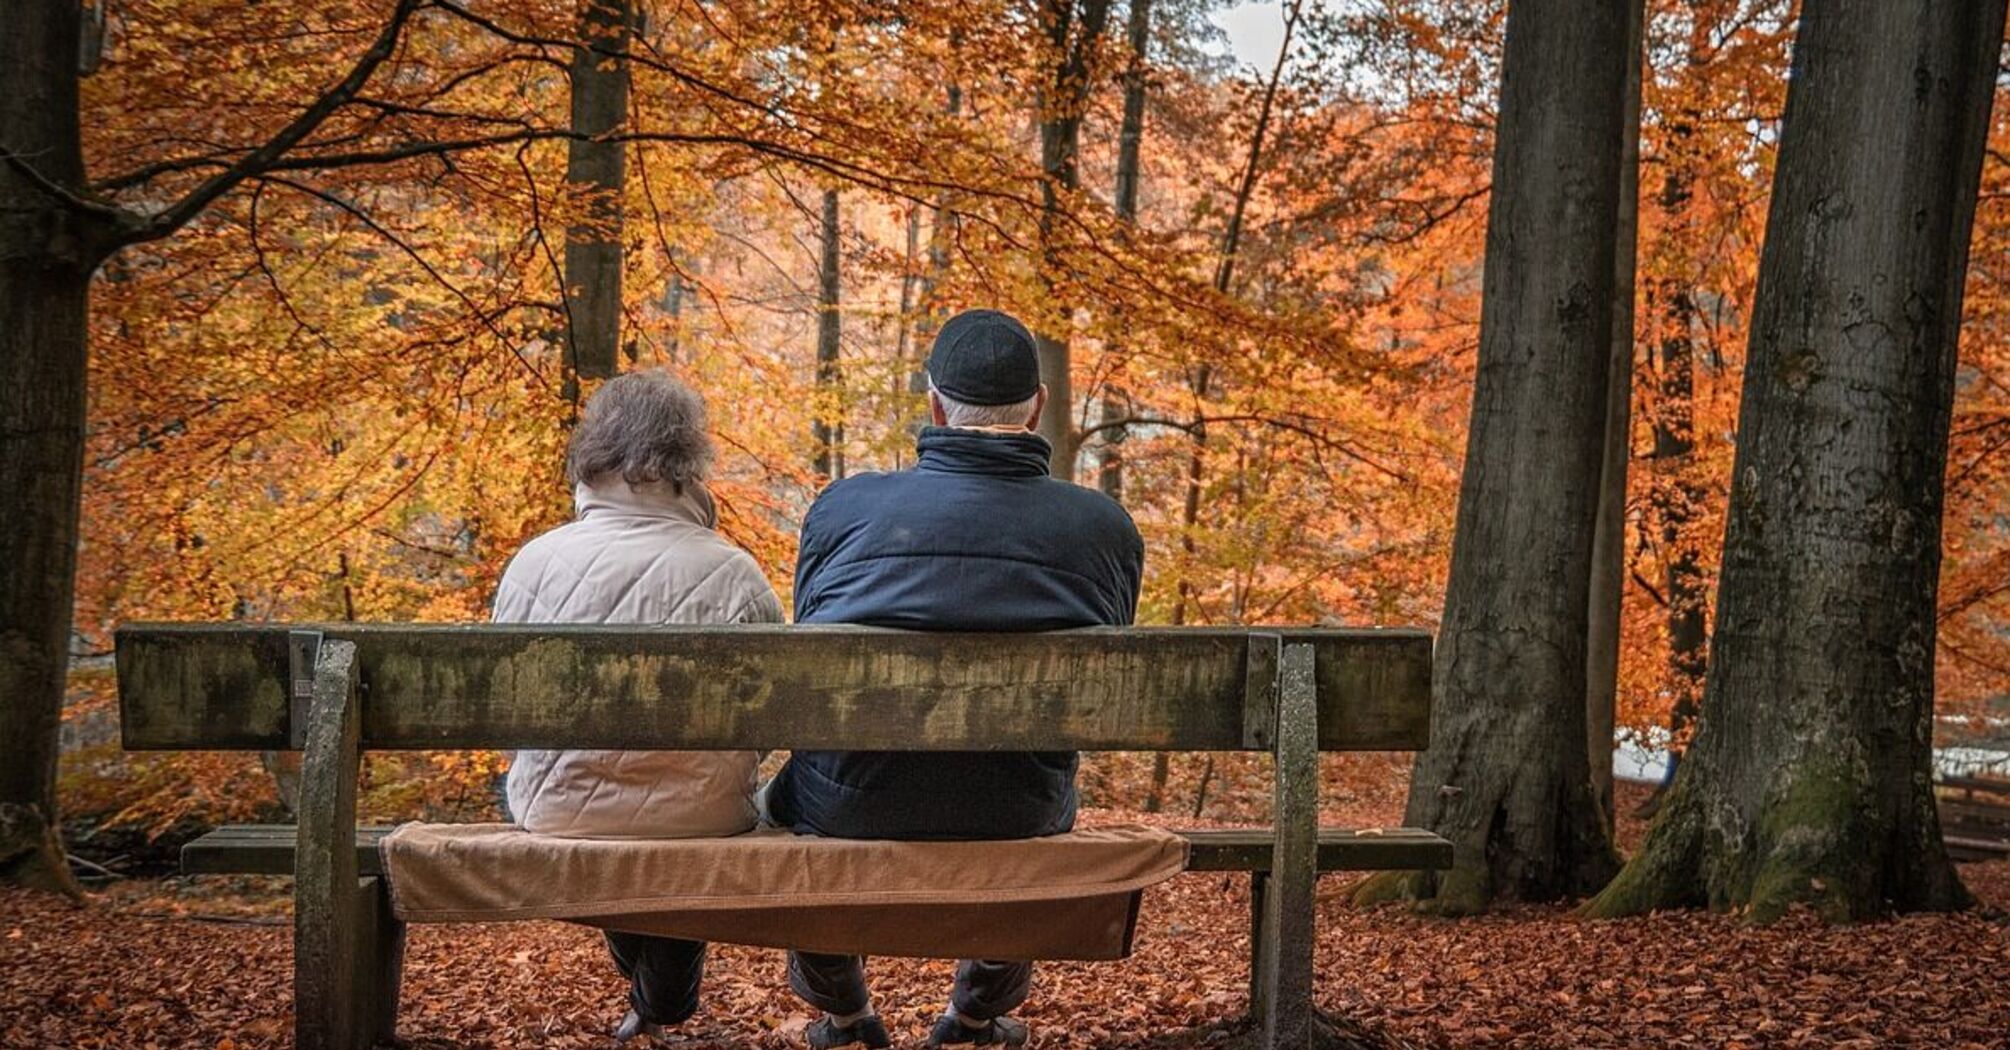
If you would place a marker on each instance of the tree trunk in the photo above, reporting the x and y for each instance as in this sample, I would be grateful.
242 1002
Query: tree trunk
47 254
1187 595
941 233
1063 97
1608 544
829 425
595 174
1130 144
1506 778
1810 777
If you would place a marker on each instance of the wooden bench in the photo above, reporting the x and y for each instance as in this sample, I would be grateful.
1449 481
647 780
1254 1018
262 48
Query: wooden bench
334 691
1974 816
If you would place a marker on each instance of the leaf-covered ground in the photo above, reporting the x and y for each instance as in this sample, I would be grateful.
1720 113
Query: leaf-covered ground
174 965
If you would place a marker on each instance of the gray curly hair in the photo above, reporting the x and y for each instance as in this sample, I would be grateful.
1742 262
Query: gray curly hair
644 426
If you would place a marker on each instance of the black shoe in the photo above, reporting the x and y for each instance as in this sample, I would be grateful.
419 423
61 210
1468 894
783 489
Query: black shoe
999 1031
824 1033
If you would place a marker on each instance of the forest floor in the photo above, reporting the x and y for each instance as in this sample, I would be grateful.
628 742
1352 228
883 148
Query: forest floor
206 963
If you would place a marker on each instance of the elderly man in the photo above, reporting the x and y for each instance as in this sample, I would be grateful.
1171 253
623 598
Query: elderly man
976 537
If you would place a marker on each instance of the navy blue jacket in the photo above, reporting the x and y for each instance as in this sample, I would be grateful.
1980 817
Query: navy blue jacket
976 537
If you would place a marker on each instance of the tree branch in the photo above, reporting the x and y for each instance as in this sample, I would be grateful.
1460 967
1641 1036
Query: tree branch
267 156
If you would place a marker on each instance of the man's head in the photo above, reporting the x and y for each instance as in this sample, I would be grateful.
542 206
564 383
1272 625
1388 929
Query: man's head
643 426
985 372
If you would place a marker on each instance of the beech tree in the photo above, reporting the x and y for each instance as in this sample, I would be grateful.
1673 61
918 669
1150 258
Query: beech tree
1506 778
1073 32
827 429
596 173
1810 777
1608 545
53 236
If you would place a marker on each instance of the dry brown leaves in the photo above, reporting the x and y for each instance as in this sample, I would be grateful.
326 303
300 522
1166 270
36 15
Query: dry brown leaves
152 965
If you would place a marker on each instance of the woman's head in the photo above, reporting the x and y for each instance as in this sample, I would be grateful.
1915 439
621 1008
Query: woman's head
644 427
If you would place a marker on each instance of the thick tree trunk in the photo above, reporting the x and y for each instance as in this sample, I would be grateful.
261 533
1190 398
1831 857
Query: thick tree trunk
47 254
1506 777
1608 546
1810 777
595 174
829 426
1063 96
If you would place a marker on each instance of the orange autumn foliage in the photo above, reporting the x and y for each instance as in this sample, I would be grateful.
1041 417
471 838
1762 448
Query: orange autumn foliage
337 395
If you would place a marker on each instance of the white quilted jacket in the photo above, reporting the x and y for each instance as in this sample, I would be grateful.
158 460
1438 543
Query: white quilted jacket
635 554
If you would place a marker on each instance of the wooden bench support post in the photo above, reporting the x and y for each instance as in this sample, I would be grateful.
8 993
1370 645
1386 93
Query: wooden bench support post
1283 964
332 1008
380 959
1259 887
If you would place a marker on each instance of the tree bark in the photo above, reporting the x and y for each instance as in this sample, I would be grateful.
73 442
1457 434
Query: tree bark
53 236
1200 379
47 254
1675 493
1810 777
1608 544
941 233
1130 144
829 426
1063 97
595 175
1506 778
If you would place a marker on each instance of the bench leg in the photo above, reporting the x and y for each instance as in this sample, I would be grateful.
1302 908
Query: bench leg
380 962
1283 965
333 908
1259 887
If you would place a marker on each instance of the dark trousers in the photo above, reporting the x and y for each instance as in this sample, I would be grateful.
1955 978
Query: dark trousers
663 974
835 984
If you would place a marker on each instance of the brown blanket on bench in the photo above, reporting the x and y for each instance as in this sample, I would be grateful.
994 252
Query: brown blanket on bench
1071 896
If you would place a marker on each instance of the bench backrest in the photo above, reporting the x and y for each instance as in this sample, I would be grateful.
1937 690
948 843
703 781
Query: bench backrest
241 687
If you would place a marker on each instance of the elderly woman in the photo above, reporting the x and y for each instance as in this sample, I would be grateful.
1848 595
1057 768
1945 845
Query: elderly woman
640 550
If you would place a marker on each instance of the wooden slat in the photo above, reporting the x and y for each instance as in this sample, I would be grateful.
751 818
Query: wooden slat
223 686
267 849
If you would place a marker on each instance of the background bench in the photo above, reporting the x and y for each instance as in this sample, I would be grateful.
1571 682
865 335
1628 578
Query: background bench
337 690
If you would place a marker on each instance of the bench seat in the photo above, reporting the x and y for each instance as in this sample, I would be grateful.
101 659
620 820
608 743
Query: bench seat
267 849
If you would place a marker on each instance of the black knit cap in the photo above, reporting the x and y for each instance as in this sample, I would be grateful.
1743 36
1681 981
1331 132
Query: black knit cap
985 357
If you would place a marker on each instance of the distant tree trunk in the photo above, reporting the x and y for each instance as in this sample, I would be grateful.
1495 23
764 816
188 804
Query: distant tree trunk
1130 143
1608 545
1676 498
1200 378
47 255
941 232
1064 94
595 174
1506 777
1810 779
1675 492
829 426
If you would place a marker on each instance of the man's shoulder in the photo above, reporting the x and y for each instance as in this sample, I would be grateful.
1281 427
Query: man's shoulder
1089 505
849 495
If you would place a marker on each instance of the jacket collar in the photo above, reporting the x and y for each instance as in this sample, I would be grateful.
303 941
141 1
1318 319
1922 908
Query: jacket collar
999 453
610 494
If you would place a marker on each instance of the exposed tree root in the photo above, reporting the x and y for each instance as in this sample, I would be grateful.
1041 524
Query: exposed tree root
31 855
